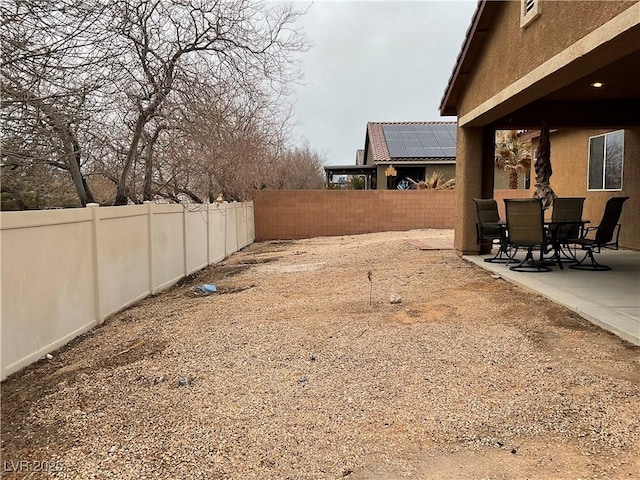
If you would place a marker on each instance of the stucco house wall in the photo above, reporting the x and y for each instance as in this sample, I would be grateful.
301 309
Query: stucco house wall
569 159
558 28
542 75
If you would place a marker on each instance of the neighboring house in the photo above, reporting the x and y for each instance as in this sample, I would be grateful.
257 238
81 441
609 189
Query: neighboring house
395 151
572 65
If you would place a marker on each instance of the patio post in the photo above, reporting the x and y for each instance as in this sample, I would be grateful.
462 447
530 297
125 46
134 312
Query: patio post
469 185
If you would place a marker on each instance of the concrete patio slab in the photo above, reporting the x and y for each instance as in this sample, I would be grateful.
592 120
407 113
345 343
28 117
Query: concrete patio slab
609 299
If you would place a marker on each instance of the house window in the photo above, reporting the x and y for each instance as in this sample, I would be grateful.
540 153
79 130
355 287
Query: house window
529 11
606 158
528 5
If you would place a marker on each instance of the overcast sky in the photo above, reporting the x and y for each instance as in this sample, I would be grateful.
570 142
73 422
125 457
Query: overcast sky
381 61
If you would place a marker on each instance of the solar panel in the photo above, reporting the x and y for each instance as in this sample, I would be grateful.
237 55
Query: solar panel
420 141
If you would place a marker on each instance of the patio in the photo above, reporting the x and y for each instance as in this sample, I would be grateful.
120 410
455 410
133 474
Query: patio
608 299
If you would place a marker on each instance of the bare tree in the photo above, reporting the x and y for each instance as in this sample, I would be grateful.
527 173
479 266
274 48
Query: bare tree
48 57
170 43
298 168
162 98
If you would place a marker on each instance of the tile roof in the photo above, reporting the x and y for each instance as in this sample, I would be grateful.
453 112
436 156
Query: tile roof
428 141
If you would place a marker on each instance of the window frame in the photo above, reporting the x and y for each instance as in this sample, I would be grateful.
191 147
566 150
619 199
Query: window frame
604 163
526 18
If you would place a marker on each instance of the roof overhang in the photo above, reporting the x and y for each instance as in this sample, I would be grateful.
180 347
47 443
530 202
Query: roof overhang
349 169
411 161
560 90
473 42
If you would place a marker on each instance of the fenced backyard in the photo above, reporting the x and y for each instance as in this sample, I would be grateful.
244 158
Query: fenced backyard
301 367
65 271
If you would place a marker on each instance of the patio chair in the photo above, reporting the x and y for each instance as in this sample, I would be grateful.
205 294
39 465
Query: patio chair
567 209
489 229
594 239
525 229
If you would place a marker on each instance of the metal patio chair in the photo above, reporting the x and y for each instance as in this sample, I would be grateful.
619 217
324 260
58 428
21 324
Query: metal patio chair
525 229
565 211
489 229
605 235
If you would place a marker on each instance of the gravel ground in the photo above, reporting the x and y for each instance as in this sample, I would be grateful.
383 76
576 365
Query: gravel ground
300 367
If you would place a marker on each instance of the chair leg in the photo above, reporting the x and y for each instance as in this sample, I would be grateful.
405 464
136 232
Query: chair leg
593 265
529 264
502 256
566 255
513 251
552 260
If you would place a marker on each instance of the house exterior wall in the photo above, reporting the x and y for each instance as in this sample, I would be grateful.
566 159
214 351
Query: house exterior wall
501 179
382 180
369 158
514 67
292 214
555 30
569 160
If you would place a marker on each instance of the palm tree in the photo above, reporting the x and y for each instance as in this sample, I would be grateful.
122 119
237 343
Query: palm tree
513 155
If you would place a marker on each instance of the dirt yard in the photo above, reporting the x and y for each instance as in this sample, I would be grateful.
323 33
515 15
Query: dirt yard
300 367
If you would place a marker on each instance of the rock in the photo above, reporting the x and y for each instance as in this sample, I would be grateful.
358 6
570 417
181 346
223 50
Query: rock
184 381
395 299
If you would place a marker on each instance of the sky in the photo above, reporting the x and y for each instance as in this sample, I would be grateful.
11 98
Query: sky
374 61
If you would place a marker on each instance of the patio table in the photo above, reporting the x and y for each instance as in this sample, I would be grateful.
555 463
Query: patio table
554 227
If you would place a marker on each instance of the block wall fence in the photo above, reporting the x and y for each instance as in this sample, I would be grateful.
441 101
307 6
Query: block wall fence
66 271
292 214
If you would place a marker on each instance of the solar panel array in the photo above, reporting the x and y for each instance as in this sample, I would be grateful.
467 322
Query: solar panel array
421 140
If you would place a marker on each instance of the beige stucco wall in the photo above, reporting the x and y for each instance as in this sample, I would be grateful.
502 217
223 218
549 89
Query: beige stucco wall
569 159
557 28
501 179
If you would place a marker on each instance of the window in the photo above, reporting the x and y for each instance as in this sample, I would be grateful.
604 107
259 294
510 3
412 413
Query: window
528 5
606 158
529 11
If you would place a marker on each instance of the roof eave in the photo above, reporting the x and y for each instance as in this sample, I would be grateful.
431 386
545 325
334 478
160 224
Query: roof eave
466 58
421 161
